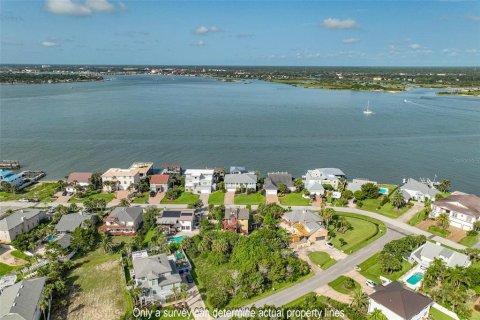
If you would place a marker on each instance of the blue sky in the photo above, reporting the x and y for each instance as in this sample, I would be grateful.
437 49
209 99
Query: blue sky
317 33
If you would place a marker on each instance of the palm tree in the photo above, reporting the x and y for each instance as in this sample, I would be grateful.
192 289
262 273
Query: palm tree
124 203
327 215
377 315
443 220
44 305
444 185
184 293
176 292
359 301
398 199
107 243
73 208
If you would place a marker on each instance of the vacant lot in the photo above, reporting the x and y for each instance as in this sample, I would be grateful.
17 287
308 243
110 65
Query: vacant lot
294 199
372 270
216 198
321 259
97 288
185 198
42 191
249 199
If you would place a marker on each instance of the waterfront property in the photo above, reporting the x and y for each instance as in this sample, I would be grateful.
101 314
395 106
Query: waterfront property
429 251
124 220
199 180
398 303
237 220
322 176
78 179
22 300
156 275
463 209
159 182
357 184
13 179
237 170
19 222
122 179
173 221
304 225
274 179
418 191
68 223
240 181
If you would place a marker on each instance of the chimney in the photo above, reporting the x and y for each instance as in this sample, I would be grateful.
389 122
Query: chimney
23 218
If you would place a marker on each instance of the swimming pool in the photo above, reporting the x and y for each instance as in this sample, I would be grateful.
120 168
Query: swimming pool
176 239
383 191
51 237
415 278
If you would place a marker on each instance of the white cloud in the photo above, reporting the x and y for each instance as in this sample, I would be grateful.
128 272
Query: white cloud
199 43
70 7
202 30
333 23
473 51
350 40
49 43
450 52
415 46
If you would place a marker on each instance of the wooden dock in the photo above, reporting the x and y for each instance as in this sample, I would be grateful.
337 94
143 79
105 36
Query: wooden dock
9 164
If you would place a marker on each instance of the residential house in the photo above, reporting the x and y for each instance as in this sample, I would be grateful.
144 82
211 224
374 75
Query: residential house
426 253
21 301
157 275
174 221
124 220
124 178
68 223
199 181
237 170
398 303
418 191
274 179
240 181
304 225
357 184
159 182
237 220
81 179
322 176
463 209
15 180
172 169
21 221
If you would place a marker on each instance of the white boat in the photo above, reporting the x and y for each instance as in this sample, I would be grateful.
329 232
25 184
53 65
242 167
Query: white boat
367 109
405 100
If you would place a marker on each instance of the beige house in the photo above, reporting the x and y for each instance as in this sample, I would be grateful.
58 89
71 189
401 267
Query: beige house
304 225
463 209
123 178
19 222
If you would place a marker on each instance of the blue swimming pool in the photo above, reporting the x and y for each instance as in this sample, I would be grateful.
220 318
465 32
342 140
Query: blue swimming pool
415 278
51 237
383 191
176 239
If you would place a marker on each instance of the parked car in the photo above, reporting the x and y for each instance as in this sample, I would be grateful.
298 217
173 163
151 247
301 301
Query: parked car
370 283
23 200
357 268
329 245
189 278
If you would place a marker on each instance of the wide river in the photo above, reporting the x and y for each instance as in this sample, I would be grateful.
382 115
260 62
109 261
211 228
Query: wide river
201 122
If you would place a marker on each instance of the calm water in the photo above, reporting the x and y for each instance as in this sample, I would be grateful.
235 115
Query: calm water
202 122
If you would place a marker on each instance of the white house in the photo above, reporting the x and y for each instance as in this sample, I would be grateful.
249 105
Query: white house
418 191
463 209
81 179
199 180
21 221
398 303
238 181
356 184
159 182
124 220
177 220
123 178
426 253
322 176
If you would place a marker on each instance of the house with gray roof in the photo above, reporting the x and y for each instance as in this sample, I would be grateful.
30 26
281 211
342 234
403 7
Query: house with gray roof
274 179
304 224
237 170
21 301
463 209
21 221
69 222
399 303
426 253
356 184
156 275
418 191
240 181
124 220
321 176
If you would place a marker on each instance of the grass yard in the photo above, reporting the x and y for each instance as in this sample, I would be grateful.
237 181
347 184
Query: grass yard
341 285
469 241
294 199
6 269
42 191
420 216
249 199
185 198
120 239
216 198
93 296
387 210
94 195
436 314
142 199
371 269
149 235
20 255
438 231
365 230
322 259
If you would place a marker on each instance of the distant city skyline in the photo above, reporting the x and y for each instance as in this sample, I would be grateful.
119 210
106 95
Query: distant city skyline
268 33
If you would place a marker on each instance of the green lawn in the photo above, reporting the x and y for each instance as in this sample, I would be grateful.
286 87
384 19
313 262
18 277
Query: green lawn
438 231
148 236
322 259
20 255
417 218
391 187
42 191
216 198
142 199
294 199
185 198
94 195
249 199
5 269
371 269
387 210
469 241
436 314
365 230
340 283
120 239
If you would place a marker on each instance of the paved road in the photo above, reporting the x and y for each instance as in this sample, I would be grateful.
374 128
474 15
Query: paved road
323 278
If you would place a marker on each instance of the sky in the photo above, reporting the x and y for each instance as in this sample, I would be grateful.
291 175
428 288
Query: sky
262 32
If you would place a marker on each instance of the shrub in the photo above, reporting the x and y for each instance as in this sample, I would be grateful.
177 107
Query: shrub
359 195
359 204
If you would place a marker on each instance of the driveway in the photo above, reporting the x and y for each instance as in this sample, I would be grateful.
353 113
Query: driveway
272 198
204 197
319 246
119 195
328 291
62 199
157 199
196 304
417 207
229 198
355 275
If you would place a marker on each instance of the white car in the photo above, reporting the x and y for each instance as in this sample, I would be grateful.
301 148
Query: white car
23 200
370 283
357 268
329 245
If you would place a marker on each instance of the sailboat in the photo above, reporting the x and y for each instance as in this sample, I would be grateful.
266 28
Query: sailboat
367 109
